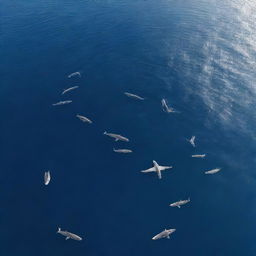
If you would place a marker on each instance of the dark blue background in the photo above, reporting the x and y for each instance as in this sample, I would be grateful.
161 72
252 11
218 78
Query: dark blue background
199 55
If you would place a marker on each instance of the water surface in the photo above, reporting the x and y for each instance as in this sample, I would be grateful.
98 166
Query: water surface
199 55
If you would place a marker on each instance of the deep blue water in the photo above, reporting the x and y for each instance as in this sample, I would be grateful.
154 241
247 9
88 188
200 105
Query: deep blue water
200 55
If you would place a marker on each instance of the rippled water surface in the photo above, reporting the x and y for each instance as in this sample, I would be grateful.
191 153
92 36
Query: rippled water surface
199 55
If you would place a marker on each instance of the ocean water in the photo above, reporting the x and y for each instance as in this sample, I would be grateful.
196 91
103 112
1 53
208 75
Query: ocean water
199 55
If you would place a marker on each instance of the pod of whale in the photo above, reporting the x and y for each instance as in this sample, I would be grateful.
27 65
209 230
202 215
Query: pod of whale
84 119
180 203
69 235
134 96
47 178
164 234
213 171
117 137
